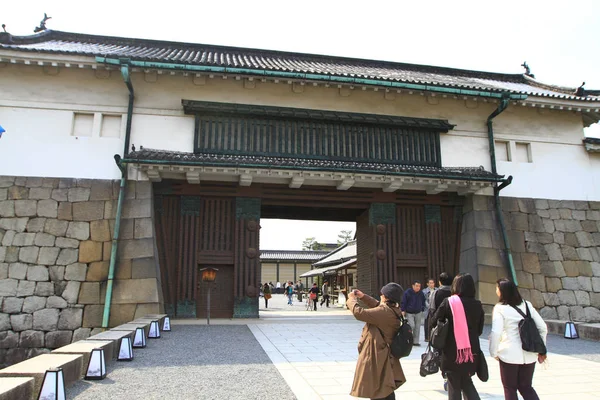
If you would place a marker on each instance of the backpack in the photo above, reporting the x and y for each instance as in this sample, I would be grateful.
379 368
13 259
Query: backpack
402 343
530 335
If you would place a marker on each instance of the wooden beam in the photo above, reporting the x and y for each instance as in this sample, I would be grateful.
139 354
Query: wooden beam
346 184
296 182
193 177
245 180
393 186
467 190
154 175
437 189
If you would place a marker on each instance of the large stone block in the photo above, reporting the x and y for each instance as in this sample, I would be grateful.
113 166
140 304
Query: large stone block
71 292
56 302
531 263
8 287
126 229
577 313
536 299
545 238
47 208
592 215
82 334
23 239
525 279
100 231
141 248
541 204
553 285
486 292
79 194
14 224
539 282
97 271
3 269
45 320
585 283
143 310
33 304
65 211
89 293
526 205
509 204
8 238
56 227
595 299
143 190
21 322
44 239
92 316
12 305
101 190
67 256
596 284
146 268
48 255
65 243
79 230
589 226
57 339
548 313
563 313
123 269
143 209
17 270
565 213
570 283
34 182
37 273
551 299
90 251
25 289
31 339
584 253
11 254
5 322
9 339
144 228
70 318
567 297
7 208
60 195
29 254
548 225
67 183
518 221
592 314
133 291
583 298
3 194
553 251
121 314
25 208
577 268
40 193
76 272
88 211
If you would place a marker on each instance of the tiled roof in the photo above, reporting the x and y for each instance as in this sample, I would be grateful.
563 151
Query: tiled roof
183 158
345 252
252 59
291 255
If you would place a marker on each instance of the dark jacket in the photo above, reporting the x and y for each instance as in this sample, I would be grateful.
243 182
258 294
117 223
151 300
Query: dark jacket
438 297
314 290
475 320
413 303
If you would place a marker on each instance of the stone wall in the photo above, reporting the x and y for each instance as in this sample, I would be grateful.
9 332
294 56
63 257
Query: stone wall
55 237
556 252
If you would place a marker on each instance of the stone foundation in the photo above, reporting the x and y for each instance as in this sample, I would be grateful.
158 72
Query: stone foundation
555 246
55 237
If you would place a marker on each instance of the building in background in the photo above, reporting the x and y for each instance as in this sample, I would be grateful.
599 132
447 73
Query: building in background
287 265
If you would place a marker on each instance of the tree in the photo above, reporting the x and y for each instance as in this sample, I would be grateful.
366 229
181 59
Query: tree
311 244
344 237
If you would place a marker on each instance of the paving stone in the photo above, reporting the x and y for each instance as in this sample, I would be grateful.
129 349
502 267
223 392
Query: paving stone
90 251
44 289
46 320
57 339
23 239
8 238
78 194
65 211
36 225
577 314
592 314
567 297
67 256
551 299
57 272
9 339
553 251
56 227
79 230
97 271
65 243
18 193
5 322
101 190
553 284
31 339
14 224
76 272
583 298
17 271
60 195
70 318
43 239
21 322
56 302
12 305
100 231
8 287
88 211
25 289
7 208
33 304
71 292
549 313
89 293
48 255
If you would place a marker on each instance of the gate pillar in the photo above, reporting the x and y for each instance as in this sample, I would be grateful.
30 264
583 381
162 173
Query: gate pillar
246 257
382 223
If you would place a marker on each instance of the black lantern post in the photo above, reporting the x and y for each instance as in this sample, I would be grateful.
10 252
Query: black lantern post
209 275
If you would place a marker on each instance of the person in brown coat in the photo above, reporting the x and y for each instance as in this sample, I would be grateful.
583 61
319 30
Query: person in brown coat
378 373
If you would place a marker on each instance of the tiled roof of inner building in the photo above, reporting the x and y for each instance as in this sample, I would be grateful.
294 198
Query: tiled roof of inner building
59 42
301 255
182 158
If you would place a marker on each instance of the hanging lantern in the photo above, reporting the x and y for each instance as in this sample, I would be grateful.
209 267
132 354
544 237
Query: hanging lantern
209 274
167 325
139 341
53 386
154 330
125 350
571 331
96 369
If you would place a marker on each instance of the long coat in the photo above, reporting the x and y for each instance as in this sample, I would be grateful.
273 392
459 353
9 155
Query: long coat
475 320
378 373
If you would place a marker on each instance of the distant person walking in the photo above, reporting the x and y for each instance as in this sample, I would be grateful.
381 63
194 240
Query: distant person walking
289 291
314 295
377 373
325 292
462 353
413 305
299 290
267 294
516 365
278 287
428 293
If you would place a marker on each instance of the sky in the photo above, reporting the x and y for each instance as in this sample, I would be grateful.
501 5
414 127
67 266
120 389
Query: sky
559 40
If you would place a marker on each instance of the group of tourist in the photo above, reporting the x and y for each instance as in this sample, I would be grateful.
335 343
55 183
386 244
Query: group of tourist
378 373
289 288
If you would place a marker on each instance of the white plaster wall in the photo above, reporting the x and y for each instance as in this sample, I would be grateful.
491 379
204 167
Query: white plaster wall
36 108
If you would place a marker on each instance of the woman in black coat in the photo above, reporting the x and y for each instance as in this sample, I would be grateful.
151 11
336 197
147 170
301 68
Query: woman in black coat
459 374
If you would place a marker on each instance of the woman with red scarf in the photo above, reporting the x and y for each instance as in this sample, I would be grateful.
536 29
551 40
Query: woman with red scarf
462 353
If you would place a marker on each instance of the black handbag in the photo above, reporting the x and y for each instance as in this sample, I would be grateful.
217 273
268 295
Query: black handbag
439 335
430 362
482 368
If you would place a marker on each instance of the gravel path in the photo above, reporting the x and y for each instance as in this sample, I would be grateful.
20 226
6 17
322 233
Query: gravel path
192 362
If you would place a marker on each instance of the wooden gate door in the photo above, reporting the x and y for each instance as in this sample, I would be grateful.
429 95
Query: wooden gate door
221 294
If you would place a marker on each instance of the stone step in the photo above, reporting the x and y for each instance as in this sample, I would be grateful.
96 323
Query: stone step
16 388
115 337
130 326
36 368
85 347
587 331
